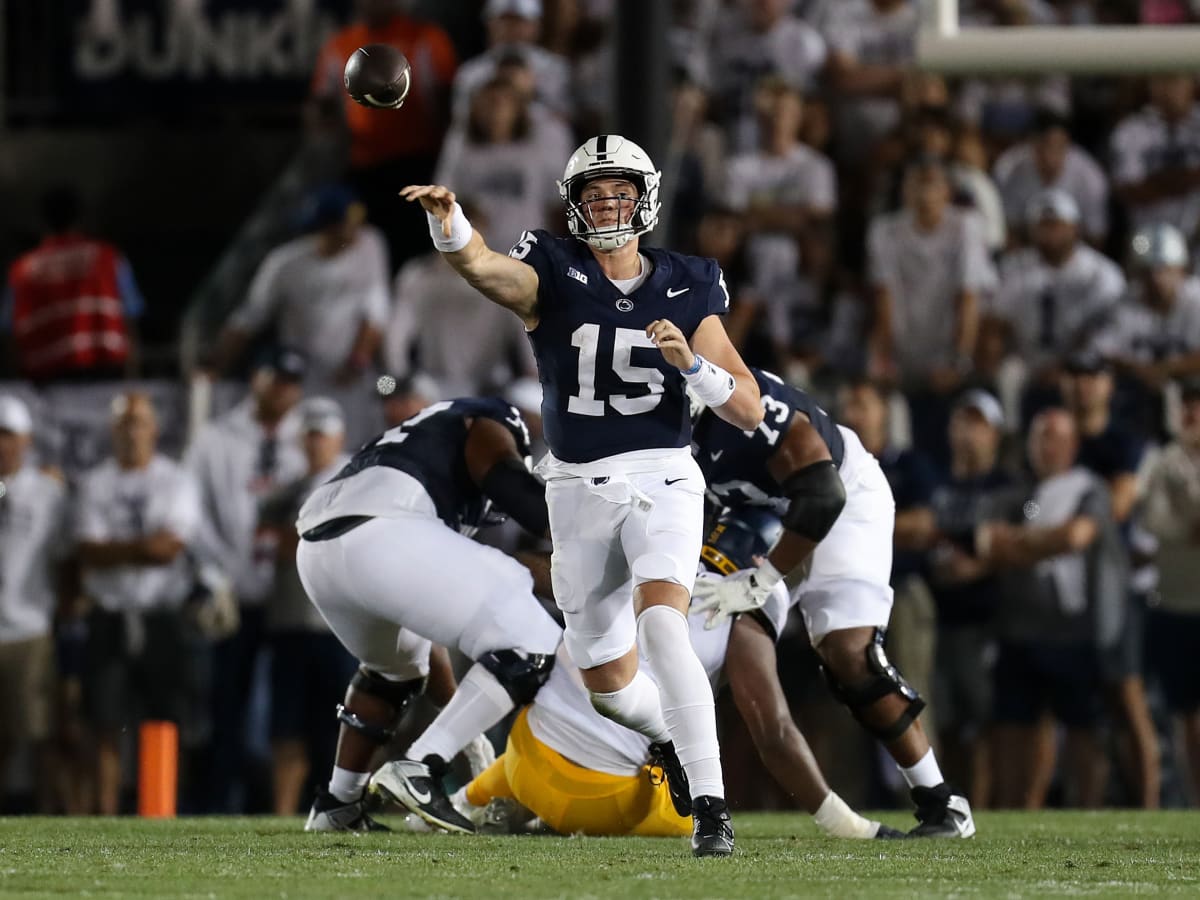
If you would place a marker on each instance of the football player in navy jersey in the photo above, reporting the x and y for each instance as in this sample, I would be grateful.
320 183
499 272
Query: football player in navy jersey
838 516
386 557
618 332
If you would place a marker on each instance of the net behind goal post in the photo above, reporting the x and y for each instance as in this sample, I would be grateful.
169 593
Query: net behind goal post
943 47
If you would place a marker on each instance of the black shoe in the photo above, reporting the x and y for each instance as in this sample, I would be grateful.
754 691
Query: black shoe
416 787
331 814
886 833
712 832
942 813
665 764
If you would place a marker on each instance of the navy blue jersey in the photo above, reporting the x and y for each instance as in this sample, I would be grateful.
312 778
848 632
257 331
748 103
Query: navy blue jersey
429 447
606 388
734 462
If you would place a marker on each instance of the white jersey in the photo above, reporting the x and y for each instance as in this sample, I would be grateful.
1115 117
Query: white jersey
515 185
116 504
1138 332
552 77
237 464
741 57
32 527
856 29
803 177
925 272
1144 144
1055 311
1018 180
318 303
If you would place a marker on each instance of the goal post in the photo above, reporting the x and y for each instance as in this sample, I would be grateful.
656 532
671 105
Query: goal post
944 47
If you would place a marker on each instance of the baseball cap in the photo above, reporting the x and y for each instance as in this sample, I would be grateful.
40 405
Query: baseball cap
525 9
1085 362
325 206
983 403
14 416
286 362
324 415
1159 245
1052 204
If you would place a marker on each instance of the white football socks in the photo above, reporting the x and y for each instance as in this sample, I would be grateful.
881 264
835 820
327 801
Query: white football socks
479 703
837 819
925 773
636 706
687 700
347 786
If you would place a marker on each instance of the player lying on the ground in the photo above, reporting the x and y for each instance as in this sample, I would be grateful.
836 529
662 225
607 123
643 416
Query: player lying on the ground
384 559
838 516
579 771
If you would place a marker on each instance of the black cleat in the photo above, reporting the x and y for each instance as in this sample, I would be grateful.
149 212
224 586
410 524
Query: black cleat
664 763
331 814
887 833
414 786
712 832
942 813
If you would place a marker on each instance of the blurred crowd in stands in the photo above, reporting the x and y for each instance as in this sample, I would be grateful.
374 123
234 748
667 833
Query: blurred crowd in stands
990 280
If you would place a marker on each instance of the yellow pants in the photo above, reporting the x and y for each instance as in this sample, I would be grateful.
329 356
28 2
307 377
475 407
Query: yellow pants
572 799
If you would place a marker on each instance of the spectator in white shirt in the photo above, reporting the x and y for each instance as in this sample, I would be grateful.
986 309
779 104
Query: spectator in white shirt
1049 159
436 313
507 159
309 666
762 40
1054 296
1156 157
136 515
927 266
324 292
238 460
871 50
513 28
31 527
785 190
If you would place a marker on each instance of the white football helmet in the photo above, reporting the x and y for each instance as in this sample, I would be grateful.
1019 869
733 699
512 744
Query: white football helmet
610 156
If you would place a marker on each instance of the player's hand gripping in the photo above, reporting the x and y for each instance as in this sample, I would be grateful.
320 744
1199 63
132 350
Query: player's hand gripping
725 597
670 340
433 199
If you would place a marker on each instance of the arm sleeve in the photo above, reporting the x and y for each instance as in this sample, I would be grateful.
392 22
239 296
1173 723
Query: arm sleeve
375 300
880 262
183 520
977 271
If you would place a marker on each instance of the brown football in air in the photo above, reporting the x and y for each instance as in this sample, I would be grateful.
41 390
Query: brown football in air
378 76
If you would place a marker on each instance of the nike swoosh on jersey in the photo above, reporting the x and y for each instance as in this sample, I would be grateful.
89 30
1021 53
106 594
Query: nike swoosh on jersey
675 293
716 455
675 480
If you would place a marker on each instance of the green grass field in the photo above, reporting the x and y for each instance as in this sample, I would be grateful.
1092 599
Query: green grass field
1015 855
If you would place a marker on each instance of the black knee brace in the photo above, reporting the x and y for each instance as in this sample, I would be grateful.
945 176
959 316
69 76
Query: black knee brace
522 674
396 693
884 680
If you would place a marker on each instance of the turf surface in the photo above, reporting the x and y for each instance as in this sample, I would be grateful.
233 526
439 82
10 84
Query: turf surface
1015 855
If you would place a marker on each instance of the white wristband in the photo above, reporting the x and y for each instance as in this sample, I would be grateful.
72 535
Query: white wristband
460 231
711 383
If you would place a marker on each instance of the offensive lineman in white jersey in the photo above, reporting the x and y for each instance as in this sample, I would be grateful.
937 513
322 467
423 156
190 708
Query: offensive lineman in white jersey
618 332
